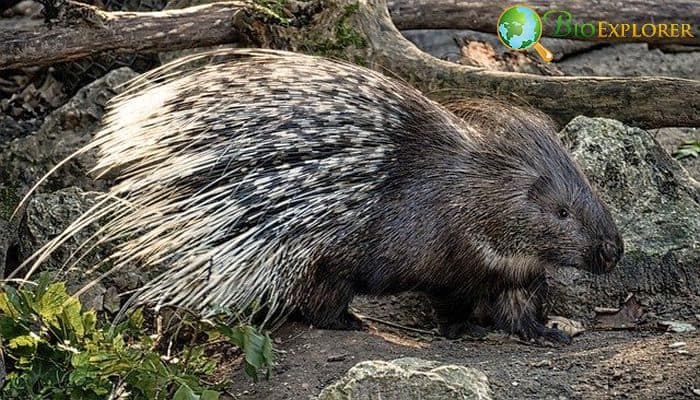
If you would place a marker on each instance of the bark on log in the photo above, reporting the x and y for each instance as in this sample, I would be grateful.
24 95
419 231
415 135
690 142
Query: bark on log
362 32
483 15
91 31
640 101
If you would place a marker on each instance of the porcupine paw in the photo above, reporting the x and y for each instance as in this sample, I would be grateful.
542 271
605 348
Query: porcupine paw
543 335
346 321
554 335
463 328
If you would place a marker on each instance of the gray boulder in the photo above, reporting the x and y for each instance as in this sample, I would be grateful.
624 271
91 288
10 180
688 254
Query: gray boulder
47 215
409 378
655 203
25 160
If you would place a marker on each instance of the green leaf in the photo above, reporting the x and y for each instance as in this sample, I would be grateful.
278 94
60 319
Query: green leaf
210 395
50 304
10 327
89 321
29 341
17 301
185 393
42 284
136 319
6 307
257 348
82 360
688 149
71 314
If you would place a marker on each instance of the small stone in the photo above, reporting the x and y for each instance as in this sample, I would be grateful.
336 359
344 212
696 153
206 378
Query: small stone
606 310
677 345
514 383
337 357
111 300
542 363
568 326
677 326
696 392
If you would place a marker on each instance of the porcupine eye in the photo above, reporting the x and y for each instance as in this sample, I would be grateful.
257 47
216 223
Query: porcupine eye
563 213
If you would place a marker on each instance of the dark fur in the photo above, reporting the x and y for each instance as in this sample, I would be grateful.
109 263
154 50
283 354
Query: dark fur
511 191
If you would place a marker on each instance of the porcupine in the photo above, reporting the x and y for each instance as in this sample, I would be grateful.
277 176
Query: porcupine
296 182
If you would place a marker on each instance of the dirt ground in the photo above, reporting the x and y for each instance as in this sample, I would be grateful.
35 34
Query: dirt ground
639 364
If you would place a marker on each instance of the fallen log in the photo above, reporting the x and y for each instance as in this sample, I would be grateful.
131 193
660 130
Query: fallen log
362 32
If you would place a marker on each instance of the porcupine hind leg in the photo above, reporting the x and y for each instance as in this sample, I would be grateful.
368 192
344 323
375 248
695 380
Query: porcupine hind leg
326 303
518 310
453 314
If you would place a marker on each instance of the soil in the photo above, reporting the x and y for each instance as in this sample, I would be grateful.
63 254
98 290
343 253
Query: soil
636 364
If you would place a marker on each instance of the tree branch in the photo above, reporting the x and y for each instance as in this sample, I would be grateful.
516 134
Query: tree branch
86 30
649 102
642 101
483 15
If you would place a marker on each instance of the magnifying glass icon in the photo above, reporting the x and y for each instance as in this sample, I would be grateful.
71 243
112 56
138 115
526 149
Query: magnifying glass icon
519 28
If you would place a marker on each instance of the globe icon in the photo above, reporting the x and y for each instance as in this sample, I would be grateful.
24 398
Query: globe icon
519 27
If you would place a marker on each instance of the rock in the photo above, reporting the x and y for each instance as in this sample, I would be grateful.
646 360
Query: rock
67 129
568 326
26 159
49 214
112 302
408 378
677 326
541 363
672 138
46 216
656 206
625 59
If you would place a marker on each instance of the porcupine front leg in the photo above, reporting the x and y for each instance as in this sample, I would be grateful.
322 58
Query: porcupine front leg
518 310
452 313
325 305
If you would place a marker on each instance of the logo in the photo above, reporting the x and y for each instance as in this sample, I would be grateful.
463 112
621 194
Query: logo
520 28
565 27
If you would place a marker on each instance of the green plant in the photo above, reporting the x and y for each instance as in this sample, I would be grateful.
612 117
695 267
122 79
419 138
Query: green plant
688 149
8 201
53 349
344 36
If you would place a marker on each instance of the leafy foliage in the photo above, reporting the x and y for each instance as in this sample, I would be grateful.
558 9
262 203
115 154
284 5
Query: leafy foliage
688 149
8 201
55 350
